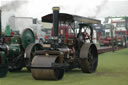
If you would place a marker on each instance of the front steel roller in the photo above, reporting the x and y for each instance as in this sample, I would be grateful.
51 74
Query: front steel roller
89 58
42 68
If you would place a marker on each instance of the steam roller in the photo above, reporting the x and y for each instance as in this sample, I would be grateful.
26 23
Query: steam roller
70 46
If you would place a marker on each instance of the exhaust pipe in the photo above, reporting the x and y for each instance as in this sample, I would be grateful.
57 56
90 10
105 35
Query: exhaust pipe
55 20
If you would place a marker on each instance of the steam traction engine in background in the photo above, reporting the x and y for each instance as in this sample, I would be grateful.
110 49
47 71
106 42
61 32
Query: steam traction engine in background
60 53
15 46
12 48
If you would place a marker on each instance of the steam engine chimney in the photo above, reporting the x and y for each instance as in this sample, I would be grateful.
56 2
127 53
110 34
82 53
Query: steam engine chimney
55 20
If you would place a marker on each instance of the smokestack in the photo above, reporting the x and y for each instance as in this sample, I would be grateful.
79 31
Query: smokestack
55 20
0 24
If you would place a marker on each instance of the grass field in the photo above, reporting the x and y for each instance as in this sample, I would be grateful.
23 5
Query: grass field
112 70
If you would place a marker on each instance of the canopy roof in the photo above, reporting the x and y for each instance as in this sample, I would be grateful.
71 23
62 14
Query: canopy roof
64 17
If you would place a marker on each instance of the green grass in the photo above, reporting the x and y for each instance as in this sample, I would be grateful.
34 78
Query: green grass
112 70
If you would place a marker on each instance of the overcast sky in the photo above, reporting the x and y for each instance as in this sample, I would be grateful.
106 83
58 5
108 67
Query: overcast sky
98 8
87 8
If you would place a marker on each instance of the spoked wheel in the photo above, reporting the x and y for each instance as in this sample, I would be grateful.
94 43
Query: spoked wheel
89 64
29 53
